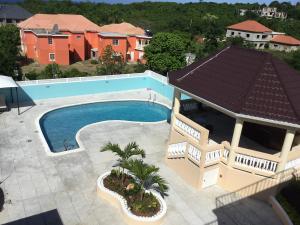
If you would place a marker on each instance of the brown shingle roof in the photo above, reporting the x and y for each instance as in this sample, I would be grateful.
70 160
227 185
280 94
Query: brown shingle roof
244 81
250 25
285 39
65 22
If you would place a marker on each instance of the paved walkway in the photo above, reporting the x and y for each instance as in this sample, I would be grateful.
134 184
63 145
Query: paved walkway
62 190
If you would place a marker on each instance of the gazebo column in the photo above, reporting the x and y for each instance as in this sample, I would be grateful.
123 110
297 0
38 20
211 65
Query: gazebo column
235 140
286 147
176 101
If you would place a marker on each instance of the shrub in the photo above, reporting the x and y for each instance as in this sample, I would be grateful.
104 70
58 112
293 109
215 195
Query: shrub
94 62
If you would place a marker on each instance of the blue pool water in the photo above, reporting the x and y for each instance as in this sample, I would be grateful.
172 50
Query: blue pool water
32 92
61 125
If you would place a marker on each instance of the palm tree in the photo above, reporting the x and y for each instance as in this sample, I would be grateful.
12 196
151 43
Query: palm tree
130 150
146 176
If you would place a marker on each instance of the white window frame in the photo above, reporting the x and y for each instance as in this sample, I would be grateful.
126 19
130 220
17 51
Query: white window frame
52 60
117 42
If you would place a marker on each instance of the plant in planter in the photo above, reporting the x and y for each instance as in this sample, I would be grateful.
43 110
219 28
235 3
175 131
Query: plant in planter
132 149
141 185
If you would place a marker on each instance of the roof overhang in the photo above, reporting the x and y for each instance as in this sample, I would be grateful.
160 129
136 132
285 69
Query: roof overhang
7 82
259 120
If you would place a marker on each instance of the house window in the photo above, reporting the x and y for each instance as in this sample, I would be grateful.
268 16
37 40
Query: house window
52 57
232 33
257 36
50 40
78 37
275 46
247 35
115 42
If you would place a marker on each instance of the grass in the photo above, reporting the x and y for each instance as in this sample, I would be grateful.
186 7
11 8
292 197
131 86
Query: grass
289 198
147 207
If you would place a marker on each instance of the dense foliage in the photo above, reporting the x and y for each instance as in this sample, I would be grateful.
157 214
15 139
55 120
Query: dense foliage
165 52
9 50
191 18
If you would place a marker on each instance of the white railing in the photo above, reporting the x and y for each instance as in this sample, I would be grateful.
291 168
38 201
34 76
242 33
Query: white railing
194 153
187 129
293 164
213 156
225 153
177 150
255 163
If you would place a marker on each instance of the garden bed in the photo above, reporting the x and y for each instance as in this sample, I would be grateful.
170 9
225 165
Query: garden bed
149 211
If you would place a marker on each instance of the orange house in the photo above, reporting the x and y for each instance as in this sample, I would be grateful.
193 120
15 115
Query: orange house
125 39
61 38
65 39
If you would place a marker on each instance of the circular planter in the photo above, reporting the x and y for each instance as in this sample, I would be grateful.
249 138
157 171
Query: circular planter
121 203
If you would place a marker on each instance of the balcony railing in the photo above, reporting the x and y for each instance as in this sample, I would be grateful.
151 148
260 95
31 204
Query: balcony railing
187 129
177 150
255 163
194 153
213 156
295 163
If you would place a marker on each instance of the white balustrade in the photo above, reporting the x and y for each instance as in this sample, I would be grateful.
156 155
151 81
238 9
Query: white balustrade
213 156
293 164
256 163
225 153
177 150
194 153
187 129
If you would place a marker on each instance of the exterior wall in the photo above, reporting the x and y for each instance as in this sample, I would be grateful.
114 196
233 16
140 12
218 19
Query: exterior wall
59 46
136 48
282 47
76 46
91 41
29 41
258 39
120 48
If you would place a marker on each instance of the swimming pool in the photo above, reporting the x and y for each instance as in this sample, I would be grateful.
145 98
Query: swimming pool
60 126
30 91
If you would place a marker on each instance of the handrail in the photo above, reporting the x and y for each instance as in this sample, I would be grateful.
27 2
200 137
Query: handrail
257 187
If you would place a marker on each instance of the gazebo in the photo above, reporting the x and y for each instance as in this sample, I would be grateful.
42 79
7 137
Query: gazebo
259 94
8 82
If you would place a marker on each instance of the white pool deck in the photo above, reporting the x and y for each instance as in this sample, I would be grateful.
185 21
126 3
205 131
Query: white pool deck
39 183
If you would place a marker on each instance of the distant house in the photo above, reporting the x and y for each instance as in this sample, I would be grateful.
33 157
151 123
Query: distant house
13 14
261 36
59 38
252 31
126 39
65 39
284 43
267 12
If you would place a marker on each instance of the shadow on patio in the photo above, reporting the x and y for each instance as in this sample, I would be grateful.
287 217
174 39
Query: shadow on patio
248 205
51 217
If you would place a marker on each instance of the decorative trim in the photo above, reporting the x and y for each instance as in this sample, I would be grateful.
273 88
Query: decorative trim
130 217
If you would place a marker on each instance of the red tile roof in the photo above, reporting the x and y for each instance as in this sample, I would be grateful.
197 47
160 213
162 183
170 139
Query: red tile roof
250 25
285 39
65 22
123 28
246 82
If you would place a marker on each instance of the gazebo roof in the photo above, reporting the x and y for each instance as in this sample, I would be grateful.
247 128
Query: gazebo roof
7 82
246 82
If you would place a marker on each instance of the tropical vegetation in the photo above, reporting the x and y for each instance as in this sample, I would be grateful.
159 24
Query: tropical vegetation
133 179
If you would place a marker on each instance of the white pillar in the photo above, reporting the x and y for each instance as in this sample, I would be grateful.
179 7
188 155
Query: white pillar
235 140
286 147
176 101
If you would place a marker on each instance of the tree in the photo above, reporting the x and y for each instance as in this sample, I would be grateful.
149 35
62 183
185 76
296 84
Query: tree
9 49
294 61
132 149
166 52
147 177
112 62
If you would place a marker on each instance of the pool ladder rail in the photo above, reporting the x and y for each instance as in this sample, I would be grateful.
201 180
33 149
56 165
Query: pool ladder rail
152 97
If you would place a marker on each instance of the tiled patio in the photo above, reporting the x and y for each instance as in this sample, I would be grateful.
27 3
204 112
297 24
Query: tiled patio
38 183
